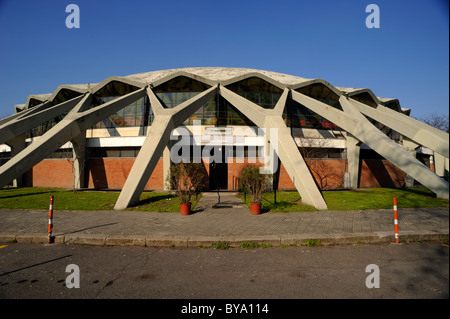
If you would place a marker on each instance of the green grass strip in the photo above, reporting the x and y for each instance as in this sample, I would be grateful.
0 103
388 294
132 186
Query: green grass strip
39 199
361 199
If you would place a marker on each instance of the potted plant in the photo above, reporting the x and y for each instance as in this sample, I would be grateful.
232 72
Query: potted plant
253 182
186 179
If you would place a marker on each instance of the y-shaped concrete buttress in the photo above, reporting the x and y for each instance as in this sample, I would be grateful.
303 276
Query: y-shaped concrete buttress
356 124
288 151
78 120
157 139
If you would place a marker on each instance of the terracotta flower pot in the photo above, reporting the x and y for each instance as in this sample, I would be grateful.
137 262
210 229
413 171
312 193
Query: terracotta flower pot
185 209
255 208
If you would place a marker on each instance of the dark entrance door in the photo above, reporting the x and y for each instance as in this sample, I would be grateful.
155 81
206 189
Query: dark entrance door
218 172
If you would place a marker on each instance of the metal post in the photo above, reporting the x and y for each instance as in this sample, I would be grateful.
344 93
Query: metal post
395 220
50 221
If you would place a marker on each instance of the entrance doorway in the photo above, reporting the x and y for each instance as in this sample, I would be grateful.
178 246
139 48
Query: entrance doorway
218 172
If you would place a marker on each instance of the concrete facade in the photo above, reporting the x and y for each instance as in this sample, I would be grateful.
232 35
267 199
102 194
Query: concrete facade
347 117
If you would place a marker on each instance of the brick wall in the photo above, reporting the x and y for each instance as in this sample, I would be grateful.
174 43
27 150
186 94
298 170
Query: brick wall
376 173
329 174
112 173
205 162
50 173
108 173
285 182
234 170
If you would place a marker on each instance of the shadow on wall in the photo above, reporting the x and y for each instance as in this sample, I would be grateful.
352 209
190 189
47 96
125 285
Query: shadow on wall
379 173
96 173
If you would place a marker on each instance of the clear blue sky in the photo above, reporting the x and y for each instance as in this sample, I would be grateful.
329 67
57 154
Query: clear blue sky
406 58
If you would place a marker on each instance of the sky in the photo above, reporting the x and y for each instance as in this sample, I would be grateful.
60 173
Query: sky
406 58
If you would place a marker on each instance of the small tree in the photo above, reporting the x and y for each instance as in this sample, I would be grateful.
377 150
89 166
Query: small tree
187 179
311 150
77 164
253 182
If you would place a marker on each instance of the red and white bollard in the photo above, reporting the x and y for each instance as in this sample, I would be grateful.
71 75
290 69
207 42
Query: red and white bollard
395 220
50 221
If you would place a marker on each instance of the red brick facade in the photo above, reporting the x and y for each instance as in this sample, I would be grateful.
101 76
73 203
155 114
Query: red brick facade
376 173
50 173
111 173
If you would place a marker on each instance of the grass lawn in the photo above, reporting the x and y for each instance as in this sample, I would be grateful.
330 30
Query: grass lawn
161 202
39 198
365 198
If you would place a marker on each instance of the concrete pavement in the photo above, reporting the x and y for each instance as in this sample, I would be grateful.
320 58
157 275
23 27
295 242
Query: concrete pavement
228 221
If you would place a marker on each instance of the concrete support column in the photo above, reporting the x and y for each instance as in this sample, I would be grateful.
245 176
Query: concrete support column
24 121
296 166
411 147
441 165
415 130
446 167
78 120
156 143
148 157
166 166
79 160
353 151
287 150
17 144
356 124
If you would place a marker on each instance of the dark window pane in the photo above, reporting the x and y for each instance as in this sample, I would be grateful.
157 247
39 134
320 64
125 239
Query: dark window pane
257 91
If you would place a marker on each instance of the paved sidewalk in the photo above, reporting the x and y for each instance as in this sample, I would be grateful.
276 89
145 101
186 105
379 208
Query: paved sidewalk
228 221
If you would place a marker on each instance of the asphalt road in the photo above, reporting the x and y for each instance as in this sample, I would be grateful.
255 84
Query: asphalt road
415 270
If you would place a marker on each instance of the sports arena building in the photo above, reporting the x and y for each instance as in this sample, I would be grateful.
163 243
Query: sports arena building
120 134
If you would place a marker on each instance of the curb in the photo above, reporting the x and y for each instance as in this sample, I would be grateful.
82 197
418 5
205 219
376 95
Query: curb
232 241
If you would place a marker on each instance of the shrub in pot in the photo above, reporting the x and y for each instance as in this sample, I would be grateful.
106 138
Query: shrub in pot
186 179
254 183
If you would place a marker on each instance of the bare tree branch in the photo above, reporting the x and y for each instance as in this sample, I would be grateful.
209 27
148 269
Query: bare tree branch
439 121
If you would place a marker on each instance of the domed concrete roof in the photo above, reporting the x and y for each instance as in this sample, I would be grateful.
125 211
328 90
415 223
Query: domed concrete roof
217 74
209 75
